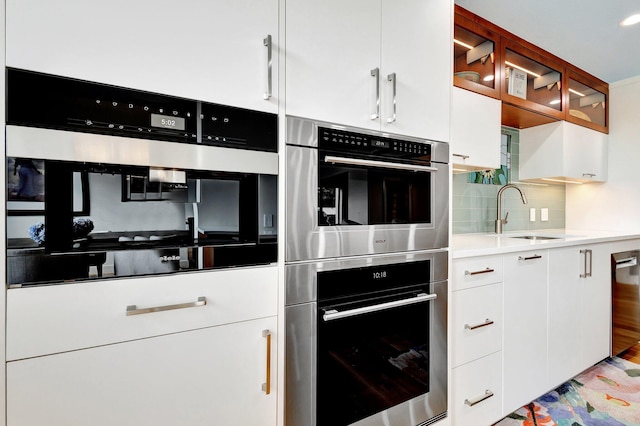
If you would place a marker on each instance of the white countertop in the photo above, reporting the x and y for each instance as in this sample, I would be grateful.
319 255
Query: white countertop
469 245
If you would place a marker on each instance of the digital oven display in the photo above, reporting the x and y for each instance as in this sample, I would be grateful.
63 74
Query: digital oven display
380 144
167 122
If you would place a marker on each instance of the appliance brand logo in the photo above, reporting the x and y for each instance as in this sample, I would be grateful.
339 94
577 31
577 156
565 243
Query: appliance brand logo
165 259
381 241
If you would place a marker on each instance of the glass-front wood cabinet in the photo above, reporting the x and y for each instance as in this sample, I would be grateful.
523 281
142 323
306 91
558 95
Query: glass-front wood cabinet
587 101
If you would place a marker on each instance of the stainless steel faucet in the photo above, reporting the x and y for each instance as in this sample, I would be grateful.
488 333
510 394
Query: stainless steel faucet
499 220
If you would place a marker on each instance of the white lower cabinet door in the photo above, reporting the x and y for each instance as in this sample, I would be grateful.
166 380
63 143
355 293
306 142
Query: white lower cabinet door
211 376
525 328
477 392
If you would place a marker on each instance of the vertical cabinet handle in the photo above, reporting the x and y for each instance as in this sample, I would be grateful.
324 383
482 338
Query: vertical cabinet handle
375 73
267 43
587 272
266 387
392 78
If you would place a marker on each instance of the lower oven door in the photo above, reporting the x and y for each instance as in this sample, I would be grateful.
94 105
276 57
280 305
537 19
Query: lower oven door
379 354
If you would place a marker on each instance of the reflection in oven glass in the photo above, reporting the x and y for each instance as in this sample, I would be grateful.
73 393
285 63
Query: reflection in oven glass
355 196
371 362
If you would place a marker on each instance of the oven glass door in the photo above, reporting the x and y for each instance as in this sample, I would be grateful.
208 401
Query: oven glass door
370 193
368 362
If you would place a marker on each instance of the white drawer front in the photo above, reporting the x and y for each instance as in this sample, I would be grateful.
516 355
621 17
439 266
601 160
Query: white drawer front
51 319
476 271
476 327
477 392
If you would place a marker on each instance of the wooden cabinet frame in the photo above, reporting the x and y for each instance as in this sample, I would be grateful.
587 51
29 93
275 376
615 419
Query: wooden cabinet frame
518 112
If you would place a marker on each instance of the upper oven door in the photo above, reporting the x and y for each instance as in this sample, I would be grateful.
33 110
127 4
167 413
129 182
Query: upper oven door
345 205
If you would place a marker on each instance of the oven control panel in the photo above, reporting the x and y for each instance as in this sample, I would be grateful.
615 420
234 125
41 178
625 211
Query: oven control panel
42 100
342 140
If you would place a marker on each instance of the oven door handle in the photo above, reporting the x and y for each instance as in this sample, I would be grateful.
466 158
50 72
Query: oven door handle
380 164
334 314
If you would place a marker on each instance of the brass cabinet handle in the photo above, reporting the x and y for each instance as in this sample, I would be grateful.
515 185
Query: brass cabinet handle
134 310
266 387
487 394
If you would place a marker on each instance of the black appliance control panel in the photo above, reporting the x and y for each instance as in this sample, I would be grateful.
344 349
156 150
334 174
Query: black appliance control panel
41 100
342 140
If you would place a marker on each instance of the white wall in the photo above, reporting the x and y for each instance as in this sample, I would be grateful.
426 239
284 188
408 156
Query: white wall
614 205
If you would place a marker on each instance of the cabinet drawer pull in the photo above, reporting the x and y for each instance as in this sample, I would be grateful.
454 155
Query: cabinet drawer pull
535 256
392 78
266 42
484 324
487 394
266 387
484 271
375 73
134 310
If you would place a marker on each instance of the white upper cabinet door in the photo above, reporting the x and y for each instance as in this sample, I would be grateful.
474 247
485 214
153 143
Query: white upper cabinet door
475 130
370 64
416 47
332 50
206 50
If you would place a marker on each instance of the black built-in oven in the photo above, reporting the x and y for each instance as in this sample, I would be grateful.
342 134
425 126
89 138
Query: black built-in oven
366 340
359 192
105 181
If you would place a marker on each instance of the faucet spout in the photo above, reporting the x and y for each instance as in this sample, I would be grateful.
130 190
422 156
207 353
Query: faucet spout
499 220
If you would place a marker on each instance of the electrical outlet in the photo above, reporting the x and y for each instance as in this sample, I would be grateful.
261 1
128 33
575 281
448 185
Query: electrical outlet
532 214
544 214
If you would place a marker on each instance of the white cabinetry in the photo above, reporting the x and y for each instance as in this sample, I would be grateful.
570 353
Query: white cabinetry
207 50
344 60
579 309
202 377
476 334
525 328
475 131
85 359
563 151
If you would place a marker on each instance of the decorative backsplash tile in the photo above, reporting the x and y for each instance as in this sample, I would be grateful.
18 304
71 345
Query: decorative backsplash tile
475 204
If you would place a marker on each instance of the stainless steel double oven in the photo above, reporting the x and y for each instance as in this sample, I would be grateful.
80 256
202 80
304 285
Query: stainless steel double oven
366 277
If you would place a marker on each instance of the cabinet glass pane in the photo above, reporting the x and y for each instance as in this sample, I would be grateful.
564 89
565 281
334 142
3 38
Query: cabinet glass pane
533 81
586 103
473 57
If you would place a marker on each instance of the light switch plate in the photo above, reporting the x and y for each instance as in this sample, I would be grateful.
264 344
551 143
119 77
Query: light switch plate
532 214
544 214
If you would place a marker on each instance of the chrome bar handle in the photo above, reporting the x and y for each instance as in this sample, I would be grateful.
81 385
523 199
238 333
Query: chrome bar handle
587 253
487 394
375 73
392 78
380 164
484 271
463 156
134 310
535 256
589 175
484 324
268 44
266 387
334 314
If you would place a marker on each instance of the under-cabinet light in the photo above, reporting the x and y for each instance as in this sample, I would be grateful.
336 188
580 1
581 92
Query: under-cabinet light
562 181
521 69
462 44
631 20
490 77
576 92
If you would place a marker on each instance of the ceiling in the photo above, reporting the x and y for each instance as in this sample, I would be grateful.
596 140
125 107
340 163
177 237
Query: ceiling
585 33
